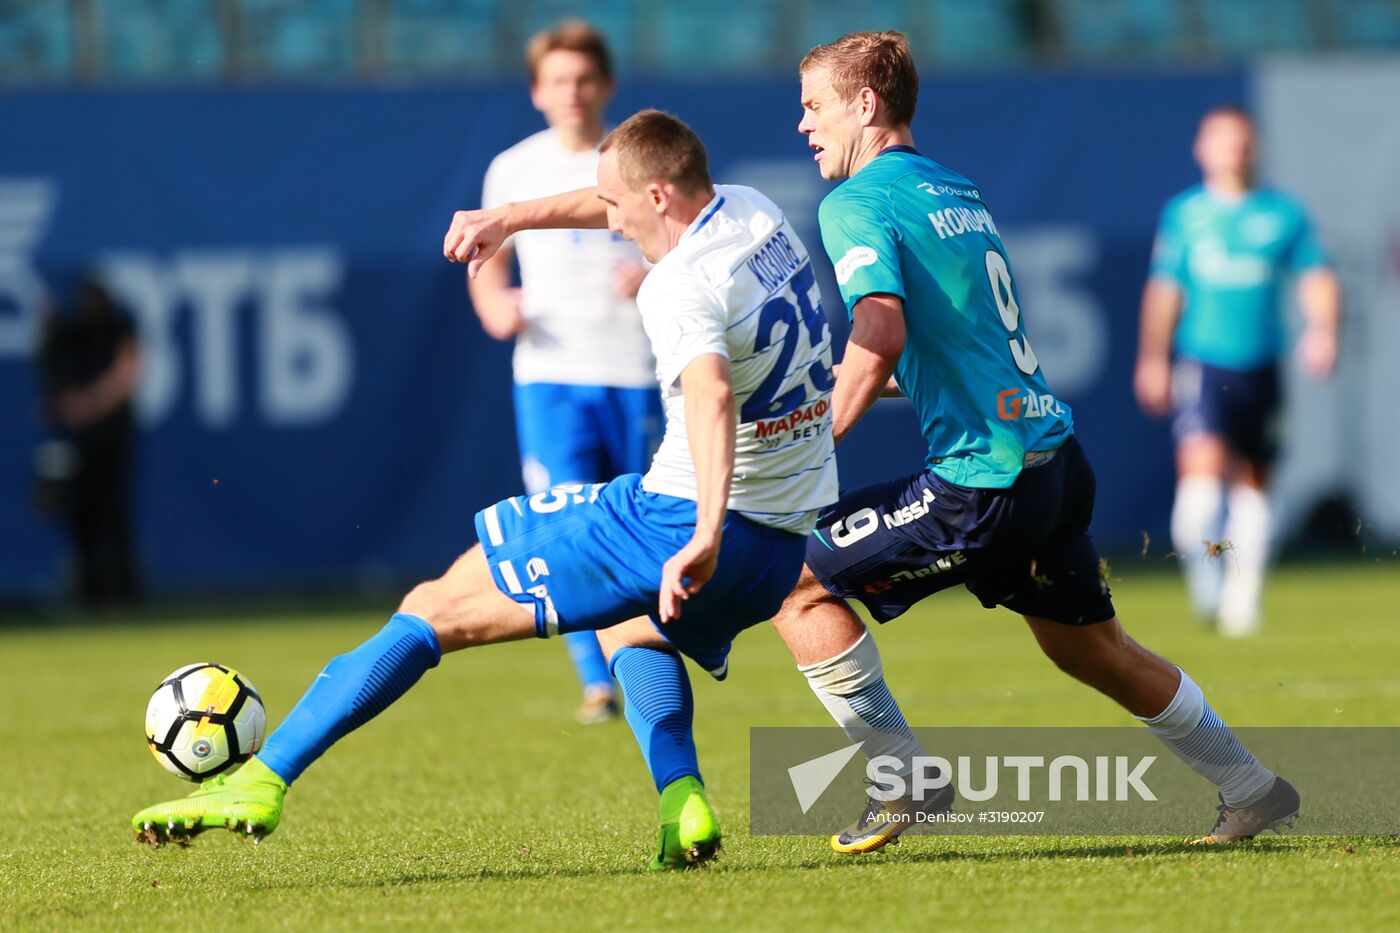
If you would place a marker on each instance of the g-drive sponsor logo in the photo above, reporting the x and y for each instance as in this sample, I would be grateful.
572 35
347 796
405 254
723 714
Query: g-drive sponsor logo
941 565
1014 404
1102 778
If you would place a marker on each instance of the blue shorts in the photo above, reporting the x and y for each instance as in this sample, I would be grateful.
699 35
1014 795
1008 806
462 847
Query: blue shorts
588 557
1026 547
1239 406
575 434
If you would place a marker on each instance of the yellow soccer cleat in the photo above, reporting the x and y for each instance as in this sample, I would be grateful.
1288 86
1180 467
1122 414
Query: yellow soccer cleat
884 821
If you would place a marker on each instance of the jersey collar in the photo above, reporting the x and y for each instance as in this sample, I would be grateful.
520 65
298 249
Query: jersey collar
897 148
1226 200
706 214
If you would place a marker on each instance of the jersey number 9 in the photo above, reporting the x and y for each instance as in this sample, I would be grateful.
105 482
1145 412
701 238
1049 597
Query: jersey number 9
1000 278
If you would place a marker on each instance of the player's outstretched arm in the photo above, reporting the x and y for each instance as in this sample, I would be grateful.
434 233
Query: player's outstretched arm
1161 310
1320 296
709 420
495 299
475 236
877 340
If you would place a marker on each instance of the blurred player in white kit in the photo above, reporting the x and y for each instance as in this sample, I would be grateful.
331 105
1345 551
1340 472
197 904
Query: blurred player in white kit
586 403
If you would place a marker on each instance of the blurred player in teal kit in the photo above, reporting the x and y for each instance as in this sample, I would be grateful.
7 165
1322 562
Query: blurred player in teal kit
586 404
1224 250
1003 503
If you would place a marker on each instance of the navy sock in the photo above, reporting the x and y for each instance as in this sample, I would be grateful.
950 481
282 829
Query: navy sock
660 710
589 662
352 690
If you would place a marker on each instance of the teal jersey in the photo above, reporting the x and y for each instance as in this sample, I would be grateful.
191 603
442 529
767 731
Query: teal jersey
1231 259
906 226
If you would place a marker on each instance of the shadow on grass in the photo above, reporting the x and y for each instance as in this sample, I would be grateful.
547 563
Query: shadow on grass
888 859
313 606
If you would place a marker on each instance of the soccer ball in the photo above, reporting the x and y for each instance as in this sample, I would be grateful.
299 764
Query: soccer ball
204 719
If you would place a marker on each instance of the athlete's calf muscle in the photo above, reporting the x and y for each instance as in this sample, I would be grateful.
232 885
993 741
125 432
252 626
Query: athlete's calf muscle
466 609
1103 656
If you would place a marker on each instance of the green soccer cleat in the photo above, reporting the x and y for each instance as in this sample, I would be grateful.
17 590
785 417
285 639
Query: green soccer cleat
247 802
689 831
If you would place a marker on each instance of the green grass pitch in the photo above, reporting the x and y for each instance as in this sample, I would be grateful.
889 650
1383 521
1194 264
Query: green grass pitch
476 802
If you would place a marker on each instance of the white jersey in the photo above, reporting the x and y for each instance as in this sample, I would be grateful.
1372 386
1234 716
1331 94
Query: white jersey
740 284
579 332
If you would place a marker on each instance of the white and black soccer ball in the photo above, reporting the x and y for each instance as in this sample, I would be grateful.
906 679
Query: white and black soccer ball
204 719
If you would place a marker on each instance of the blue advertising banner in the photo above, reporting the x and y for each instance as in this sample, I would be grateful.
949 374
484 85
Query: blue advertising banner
318 404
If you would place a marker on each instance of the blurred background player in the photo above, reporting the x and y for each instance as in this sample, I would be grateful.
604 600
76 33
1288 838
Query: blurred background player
1224 249
586 404
89 363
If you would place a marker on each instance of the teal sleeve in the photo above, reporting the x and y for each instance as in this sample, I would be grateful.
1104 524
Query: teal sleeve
1305 252
1169 249
864 248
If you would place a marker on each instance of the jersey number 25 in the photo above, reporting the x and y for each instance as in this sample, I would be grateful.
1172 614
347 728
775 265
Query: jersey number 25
786 308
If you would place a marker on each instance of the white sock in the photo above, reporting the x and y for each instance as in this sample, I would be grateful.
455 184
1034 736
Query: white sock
852 687
1195 520
1191 729
1247 530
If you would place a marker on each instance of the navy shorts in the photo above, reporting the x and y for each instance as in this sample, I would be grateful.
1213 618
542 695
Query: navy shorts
1026 547
1239 406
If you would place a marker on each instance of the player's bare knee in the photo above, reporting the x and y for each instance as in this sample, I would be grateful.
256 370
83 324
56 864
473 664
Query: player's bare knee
1202 454
808 593
810 589
421 600
445 607
633 633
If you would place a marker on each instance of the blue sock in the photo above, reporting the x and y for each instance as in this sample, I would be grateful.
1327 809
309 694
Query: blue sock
352 690
588 659
660 710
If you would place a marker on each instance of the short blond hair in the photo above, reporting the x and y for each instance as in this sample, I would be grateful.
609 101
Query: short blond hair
880 61
570 35
655 146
